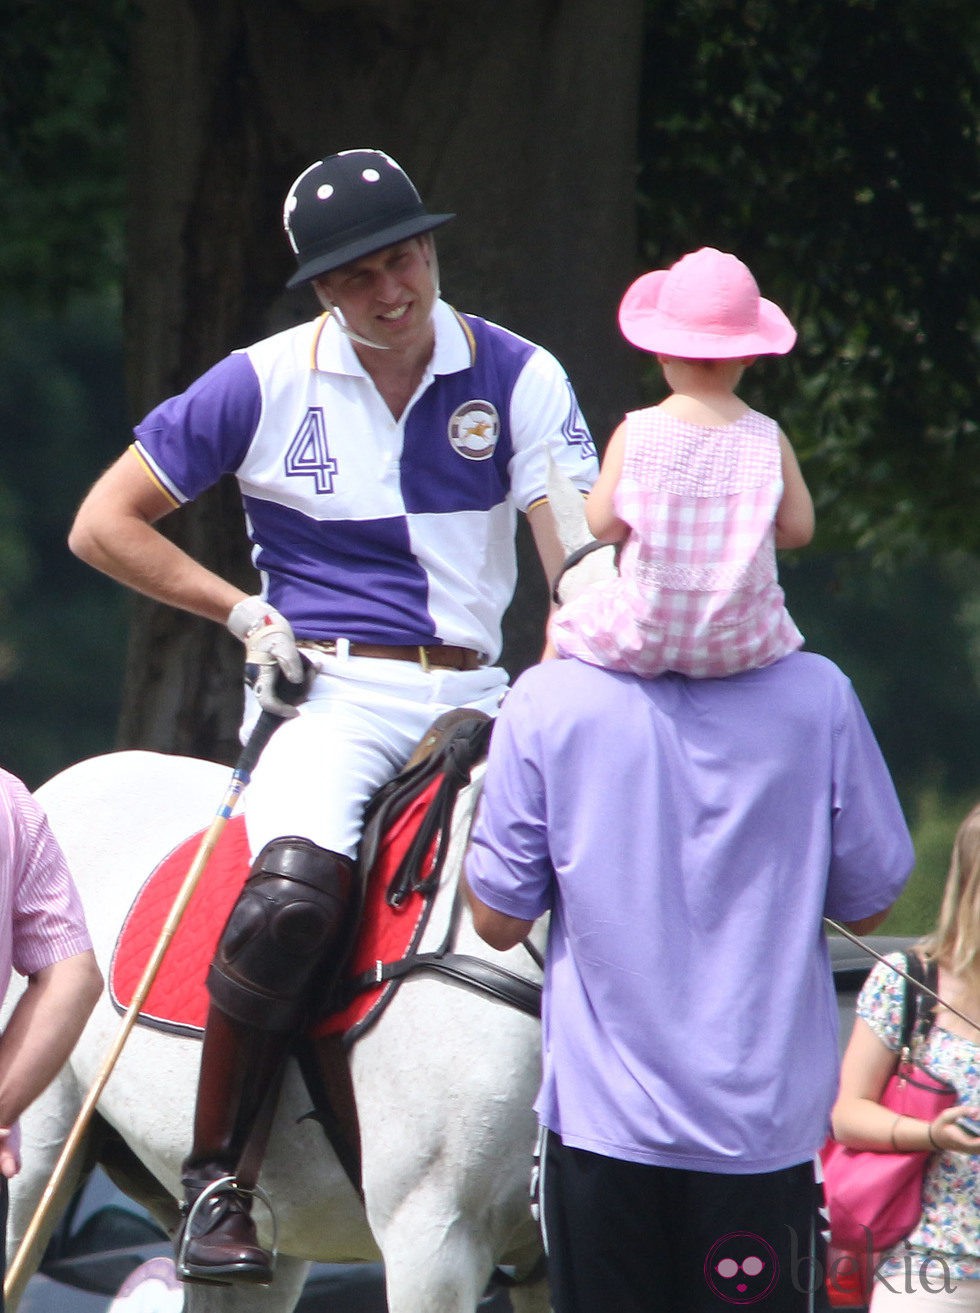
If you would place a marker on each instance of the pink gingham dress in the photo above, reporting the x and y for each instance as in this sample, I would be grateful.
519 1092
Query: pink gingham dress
697 590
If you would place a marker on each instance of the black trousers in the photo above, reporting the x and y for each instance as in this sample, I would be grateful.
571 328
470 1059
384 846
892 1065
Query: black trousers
630 1238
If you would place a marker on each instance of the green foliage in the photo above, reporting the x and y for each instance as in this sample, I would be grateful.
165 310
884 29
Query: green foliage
937 818
62 147
909 638
908 642
834 148
62 625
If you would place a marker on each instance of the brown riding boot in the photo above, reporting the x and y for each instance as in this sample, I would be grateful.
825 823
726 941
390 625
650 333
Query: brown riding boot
240 1069
278 944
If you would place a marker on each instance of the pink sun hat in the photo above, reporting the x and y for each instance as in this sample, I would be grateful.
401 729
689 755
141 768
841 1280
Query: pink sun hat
705 307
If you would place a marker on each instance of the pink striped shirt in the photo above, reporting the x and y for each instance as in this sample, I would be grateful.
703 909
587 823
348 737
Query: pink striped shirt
697 590
41 916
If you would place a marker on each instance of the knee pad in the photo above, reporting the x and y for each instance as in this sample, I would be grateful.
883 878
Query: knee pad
281 932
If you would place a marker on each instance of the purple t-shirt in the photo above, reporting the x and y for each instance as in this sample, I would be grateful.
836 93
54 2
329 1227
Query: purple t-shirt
688 836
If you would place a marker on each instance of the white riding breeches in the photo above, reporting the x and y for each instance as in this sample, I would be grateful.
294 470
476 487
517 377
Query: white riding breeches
361 722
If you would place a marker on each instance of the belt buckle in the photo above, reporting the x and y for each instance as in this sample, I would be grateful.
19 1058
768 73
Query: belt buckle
424 659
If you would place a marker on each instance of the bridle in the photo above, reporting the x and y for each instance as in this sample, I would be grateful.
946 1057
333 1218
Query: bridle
573 559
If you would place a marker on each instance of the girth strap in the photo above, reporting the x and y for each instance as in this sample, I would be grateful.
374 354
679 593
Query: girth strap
464 969
323 1062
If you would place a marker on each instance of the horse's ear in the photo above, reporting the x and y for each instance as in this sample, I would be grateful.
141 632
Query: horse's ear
568 507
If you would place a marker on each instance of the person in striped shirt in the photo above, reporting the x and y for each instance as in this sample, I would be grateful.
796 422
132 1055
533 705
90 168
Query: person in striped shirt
44 937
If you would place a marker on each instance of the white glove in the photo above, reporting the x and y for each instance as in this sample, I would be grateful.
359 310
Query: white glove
270 647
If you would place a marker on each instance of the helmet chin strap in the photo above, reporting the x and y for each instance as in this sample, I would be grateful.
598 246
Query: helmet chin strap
346 329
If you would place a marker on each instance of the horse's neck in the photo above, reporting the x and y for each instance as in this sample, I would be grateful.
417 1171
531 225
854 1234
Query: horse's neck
452 890
450 899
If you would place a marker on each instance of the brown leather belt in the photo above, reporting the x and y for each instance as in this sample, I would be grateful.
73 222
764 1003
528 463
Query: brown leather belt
452 658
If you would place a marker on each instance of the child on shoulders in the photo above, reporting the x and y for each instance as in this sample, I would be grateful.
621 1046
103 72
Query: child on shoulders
699 490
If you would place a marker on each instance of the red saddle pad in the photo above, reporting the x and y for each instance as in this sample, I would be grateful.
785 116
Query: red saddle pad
178 1000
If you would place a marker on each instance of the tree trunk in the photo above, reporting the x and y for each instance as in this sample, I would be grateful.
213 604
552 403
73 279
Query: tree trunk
518 115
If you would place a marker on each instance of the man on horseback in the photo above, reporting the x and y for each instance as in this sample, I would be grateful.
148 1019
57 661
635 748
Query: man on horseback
381 451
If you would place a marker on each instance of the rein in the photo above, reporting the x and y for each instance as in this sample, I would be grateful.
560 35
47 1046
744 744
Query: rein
579 554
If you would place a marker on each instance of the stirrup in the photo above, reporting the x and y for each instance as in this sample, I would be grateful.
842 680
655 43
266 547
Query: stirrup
229 1184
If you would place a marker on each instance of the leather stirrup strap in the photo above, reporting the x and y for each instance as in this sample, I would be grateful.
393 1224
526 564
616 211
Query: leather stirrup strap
326 1070
250 1161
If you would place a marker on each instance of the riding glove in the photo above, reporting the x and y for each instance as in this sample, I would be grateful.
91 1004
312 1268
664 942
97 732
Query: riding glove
270 647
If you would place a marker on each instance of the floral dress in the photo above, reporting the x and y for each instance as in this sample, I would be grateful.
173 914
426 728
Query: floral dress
950 1224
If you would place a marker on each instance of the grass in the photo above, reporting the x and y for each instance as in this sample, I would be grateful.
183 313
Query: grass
933 822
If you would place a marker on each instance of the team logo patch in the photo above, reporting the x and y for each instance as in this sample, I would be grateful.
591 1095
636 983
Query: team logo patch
474 428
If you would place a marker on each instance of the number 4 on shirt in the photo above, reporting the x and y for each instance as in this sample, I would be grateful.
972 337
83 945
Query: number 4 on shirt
308 455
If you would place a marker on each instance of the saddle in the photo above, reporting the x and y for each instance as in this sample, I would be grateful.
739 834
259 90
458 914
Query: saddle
399 867
407 829
421 798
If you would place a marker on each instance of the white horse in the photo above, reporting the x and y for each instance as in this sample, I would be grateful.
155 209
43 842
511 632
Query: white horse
444 1081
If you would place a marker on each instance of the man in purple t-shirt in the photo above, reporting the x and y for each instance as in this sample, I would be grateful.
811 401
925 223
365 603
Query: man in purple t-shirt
687 838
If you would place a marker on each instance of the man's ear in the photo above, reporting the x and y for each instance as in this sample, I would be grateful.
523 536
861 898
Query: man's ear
322 294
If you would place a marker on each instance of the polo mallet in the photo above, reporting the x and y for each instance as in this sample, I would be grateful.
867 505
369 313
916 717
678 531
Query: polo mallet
916 984
265 727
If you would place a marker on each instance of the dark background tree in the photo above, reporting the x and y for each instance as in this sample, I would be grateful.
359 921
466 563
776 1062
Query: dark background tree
62 633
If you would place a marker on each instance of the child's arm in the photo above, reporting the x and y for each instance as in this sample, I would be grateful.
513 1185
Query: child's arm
794 516
603 521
